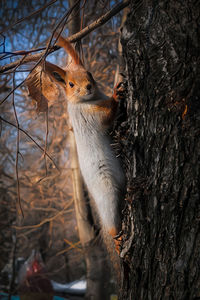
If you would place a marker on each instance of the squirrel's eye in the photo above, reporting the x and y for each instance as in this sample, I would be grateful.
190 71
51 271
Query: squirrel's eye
71 84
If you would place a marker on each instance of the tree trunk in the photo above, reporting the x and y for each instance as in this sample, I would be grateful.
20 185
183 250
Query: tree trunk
161 145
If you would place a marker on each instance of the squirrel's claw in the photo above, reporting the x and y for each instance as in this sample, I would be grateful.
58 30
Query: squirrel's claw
118 241
119 91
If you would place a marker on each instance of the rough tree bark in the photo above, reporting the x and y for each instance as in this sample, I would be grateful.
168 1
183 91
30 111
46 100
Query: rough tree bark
160 145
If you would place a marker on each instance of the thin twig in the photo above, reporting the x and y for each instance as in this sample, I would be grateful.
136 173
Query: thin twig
72 246
44 54
12 281
63 20
16 87
23 52
99 22
46 139
75 37
19 52
28 59
47 220
30 137
17 143
47 127
29 16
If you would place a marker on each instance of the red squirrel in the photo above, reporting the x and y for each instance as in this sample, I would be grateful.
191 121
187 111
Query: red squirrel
92 113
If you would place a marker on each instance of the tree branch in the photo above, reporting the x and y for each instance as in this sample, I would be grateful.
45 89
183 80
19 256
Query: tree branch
99 22
29 16
47 220
30 137
73 38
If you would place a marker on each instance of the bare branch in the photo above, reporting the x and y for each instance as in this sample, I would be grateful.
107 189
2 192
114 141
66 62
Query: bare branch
23 52
29 16
29 58
47 50
99 22
72 246
73 38
17 144
30 137
45 220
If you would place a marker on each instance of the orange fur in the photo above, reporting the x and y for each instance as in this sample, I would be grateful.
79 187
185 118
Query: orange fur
113 232
106 108
91 112
70 50
80 81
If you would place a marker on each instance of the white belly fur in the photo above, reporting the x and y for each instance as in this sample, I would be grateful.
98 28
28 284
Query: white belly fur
100 168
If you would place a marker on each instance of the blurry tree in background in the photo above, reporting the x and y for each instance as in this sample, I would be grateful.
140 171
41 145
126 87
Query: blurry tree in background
44 185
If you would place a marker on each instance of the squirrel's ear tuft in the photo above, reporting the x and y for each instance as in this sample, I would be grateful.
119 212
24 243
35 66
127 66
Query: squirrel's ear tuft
64 43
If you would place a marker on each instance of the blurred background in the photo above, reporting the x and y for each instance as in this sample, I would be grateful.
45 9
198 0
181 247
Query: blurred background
42 184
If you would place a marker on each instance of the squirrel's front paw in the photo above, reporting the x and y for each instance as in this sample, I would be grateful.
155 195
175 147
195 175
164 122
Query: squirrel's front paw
119 91
118 241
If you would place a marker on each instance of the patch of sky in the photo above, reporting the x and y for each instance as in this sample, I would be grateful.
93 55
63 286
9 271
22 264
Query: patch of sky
29 34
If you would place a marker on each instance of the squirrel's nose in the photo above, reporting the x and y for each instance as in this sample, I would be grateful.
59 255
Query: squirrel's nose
88 87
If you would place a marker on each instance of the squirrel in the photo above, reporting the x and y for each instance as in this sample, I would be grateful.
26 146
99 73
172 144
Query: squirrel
92 113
